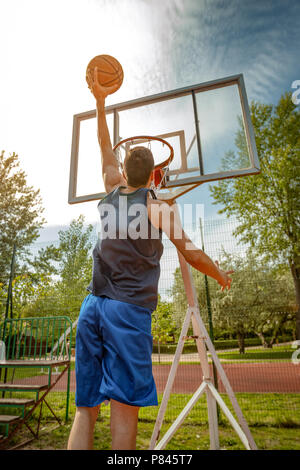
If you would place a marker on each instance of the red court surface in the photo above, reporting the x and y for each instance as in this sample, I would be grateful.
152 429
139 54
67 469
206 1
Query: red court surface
248 377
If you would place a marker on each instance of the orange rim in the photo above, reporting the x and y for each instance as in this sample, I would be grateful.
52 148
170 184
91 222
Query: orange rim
148 137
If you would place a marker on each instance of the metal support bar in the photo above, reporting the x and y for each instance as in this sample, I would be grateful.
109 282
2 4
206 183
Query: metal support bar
168 388
164 441
200 158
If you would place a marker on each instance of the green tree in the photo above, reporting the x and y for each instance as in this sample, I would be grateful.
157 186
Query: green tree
28 291
75 260
45 262
75 266
163 323
260 300
267 206
60 275
20 212
179 295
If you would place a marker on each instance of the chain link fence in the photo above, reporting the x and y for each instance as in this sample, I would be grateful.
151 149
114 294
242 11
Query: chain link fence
253 328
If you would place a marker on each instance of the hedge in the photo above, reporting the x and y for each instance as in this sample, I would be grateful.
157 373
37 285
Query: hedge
219 344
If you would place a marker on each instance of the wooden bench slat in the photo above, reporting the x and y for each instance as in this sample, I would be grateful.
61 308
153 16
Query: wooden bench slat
34 363
4 419
16 401
24 387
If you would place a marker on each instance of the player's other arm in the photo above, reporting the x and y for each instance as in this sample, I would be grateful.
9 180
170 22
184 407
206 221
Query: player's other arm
110 168
166 217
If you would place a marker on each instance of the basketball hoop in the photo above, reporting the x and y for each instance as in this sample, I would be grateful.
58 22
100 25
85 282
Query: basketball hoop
160 169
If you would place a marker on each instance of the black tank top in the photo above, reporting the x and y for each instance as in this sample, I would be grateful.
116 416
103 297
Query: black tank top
127 254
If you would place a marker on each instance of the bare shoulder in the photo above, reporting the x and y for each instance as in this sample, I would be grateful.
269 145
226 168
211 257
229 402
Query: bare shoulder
153 204
160 212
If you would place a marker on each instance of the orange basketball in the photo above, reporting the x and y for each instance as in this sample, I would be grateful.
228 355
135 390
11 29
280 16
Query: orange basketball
110 71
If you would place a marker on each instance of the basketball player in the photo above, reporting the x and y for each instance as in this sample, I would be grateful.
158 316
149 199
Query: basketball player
113 339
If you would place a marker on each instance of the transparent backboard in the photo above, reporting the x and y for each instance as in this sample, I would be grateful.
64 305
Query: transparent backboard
208 125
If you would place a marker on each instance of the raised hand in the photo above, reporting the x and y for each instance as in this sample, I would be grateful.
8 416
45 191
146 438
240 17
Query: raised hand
100 92
225 280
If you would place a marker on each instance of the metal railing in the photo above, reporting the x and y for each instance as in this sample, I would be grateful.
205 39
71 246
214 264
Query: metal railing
37 338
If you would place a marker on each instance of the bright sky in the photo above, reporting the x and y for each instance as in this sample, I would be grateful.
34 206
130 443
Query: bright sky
162 45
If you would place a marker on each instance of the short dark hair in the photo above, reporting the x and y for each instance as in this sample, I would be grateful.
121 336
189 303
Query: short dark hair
138 164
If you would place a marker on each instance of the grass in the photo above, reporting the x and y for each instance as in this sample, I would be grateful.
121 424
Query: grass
273 418
257 355
279 354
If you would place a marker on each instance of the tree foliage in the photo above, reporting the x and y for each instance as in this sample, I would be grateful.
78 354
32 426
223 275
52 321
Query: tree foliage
20 212
54 282
260 301
267 206
163 322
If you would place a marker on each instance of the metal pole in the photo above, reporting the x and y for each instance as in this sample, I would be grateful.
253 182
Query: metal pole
209 313
9 292
9 302
211 330
197 133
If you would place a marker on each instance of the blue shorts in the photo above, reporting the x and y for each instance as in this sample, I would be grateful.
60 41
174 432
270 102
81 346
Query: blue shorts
113 354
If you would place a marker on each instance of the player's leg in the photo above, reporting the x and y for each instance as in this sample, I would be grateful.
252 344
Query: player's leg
127 368
88 368
82 432
123 425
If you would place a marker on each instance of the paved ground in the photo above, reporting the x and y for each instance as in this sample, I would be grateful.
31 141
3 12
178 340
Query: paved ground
247 377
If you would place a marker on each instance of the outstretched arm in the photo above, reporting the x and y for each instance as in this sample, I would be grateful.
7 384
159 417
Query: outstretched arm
166 217
110 168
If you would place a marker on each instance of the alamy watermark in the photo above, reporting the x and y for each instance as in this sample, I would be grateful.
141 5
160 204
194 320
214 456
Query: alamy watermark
132 220
296 354
296 94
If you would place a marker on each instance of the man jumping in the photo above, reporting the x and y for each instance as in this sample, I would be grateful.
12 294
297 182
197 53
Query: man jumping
113 339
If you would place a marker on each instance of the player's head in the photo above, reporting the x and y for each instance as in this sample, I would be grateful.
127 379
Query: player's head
138 166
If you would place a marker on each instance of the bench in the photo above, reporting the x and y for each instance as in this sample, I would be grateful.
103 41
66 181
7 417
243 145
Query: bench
32 343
